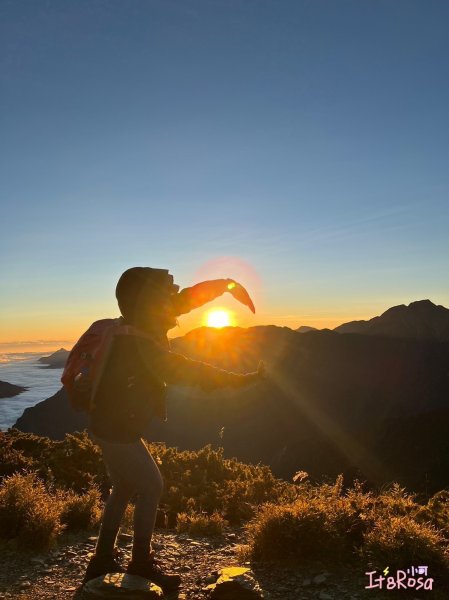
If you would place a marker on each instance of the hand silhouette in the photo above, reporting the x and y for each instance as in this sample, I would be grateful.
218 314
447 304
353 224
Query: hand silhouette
240 294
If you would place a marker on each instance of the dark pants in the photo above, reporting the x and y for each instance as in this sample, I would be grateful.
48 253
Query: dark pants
133 471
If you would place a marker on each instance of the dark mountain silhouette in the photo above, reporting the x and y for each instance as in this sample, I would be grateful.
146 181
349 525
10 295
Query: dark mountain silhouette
305 329
53 417
8 390
422 320
333 403
56 360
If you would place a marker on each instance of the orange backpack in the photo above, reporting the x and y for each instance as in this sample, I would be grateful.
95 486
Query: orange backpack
85 361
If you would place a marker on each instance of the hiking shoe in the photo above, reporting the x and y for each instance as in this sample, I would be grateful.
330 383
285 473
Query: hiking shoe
100 565
151 570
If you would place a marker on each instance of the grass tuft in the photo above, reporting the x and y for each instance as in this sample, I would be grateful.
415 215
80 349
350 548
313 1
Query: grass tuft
28 513
201 524
81 511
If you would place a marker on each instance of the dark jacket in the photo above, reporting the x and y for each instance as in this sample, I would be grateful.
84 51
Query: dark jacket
132 386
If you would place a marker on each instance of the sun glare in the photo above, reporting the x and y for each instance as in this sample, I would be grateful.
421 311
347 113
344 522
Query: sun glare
218 318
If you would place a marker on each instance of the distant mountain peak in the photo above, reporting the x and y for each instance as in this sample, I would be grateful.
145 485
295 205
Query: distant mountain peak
56 360
422 302
421 319
427 304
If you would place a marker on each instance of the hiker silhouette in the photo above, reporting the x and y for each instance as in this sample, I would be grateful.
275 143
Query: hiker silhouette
129 389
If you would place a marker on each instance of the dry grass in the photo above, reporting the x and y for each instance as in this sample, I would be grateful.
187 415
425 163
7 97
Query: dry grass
201 524
402 541
34 516
81 511
203 491
331 525
28 513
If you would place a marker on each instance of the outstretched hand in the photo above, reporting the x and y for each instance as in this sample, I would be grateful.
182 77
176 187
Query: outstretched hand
251 378
261 370
238 291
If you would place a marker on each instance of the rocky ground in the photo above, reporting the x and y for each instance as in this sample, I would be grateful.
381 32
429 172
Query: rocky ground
58 573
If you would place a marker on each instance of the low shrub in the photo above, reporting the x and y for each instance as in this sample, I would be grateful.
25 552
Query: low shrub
436 512
28 513
214 483
203 491
321 523
14 461
73 463
327 523
81 511
306 529
400 542
201 524
395 501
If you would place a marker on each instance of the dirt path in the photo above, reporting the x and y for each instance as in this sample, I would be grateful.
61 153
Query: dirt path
57 574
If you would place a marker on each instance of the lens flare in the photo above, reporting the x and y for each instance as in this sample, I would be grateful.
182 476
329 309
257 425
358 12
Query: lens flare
230 267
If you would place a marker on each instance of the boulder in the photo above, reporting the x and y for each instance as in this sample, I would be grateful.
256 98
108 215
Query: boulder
121 585
235 583
319 579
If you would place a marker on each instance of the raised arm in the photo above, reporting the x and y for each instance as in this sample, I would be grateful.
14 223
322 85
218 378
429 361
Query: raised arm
199 294
206 291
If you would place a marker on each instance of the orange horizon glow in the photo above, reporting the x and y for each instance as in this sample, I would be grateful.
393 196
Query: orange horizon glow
44 330
66 339
38 335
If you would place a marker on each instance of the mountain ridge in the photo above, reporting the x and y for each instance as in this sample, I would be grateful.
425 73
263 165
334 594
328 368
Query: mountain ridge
421 319
326 408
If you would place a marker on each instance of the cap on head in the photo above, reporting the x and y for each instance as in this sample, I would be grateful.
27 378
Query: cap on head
139 285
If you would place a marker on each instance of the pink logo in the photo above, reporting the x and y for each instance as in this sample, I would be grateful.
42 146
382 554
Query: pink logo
413 578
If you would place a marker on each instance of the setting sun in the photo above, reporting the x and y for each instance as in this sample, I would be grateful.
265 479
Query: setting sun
218 318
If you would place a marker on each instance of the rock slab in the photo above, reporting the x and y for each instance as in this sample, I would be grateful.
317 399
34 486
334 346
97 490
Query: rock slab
235 583
121 585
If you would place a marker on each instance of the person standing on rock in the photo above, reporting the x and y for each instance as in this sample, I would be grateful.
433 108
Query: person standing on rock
130 390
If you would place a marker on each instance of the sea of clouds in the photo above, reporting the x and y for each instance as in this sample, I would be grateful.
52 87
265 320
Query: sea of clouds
23 368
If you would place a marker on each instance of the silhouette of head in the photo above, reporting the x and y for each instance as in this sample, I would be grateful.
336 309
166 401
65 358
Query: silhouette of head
144 296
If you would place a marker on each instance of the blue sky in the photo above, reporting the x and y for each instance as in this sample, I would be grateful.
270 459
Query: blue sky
307 140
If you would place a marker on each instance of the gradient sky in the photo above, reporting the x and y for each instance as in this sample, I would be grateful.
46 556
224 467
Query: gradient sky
301 147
